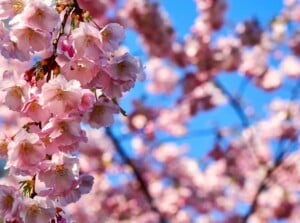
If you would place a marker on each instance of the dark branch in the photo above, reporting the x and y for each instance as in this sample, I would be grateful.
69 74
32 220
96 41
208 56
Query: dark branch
138 175
262 186
235 104
61 29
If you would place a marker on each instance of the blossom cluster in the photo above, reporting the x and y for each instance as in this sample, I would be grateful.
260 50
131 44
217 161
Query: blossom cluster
244 177
60 71
212 136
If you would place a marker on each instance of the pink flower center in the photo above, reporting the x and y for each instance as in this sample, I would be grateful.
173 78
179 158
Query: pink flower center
33 210
26 148
39 13
60 170
18 6
3 147
121 67
16 92
60 95
106 34
8 201
34 106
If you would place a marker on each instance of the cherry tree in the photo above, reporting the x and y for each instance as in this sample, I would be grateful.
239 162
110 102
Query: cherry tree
92 132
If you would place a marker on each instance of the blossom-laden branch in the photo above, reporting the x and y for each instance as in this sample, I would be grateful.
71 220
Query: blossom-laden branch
264 184
80 82
61 31
278 161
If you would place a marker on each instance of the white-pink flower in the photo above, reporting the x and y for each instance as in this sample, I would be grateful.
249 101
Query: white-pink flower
60 177
63 133
111 36
60 96
86 41
25 153
10 8
111 87
37 210
125 68
81 69
10 202
290 66
62 181
163 78
29 39
15 91
37 15
101 114
87 100
34 110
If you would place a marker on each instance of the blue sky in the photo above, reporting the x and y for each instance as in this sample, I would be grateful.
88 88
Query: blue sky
183 12
182 15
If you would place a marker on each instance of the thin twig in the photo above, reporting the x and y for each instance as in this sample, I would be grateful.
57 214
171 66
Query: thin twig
235 104
138 175
61 31
243 118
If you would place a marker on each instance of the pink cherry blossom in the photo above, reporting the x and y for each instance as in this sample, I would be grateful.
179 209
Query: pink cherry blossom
101 114
60 96
61 180
15 91
37 15
111 87
11 8
97 9
94 156
174 121
81 69
29 39
63 133
163 79
87 100
125 68
290 66
86 41
25 153
111 36
33 109
270 80
220 139
10 203
37 210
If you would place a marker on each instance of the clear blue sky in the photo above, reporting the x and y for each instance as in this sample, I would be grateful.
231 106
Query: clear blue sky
183 12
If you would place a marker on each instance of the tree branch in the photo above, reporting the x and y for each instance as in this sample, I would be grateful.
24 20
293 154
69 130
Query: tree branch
234 103
61 29
278 162
262 186
138 175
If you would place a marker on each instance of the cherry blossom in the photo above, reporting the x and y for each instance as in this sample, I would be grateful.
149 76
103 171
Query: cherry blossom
210 135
